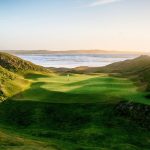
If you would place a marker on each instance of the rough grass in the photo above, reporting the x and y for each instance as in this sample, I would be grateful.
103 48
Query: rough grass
15 86
16 64
12 141
10 84
73 126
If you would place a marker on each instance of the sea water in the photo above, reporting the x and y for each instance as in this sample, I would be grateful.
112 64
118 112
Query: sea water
75 60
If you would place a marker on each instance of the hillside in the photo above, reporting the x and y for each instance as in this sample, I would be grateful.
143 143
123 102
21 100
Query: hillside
4 75
16 64
10 83
138 69
11 70
76 112
132 66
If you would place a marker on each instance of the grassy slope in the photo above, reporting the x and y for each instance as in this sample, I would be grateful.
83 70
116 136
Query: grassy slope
74 114
16 64
77 113
130 66
21 143
138 68
74 126
11 70
10 83
136 65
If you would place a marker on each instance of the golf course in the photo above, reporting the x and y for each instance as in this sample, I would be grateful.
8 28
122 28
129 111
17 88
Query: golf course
75 75
45 110
80 88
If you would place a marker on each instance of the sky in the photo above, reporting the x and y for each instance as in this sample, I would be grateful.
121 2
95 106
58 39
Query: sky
75 25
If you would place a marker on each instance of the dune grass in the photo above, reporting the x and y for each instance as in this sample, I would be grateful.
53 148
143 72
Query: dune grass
11 84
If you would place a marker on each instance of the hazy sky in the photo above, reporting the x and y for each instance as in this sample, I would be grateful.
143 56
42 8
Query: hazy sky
75 24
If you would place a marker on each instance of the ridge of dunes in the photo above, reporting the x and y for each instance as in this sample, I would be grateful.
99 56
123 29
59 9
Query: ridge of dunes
16 64
12 72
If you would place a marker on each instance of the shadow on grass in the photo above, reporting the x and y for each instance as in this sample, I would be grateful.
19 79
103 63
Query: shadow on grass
85 120
84 125
54 115
44 95
35 76
83 94
37 93
89 91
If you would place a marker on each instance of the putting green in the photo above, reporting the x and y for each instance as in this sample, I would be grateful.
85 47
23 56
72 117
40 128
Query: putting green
80 89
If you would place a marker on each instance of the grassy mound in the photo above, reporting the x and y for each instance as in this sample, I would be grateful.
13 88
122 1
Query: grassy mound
11 69
11 84
5 75
138 69
129 66
16 64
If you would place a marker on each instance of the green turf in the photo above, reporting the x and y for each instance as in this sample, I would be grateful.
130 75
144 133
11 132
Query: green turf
21 143
81 89
72 126
55 112
47 111
18 65
11 84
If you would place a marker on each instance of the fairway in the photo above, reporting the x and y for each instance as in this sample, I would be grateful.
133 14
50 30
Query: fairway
80 89
72 112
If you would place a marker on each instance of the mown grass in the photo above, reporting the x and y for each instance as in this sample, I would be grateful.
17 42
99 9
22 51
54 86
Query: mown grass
81 89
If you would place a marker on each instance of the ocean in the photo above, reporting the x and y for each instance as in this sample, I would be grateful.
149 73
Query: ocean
75 60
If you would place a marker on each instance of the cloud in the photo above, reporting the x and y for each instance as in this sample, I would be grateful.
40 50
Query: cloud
101 2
